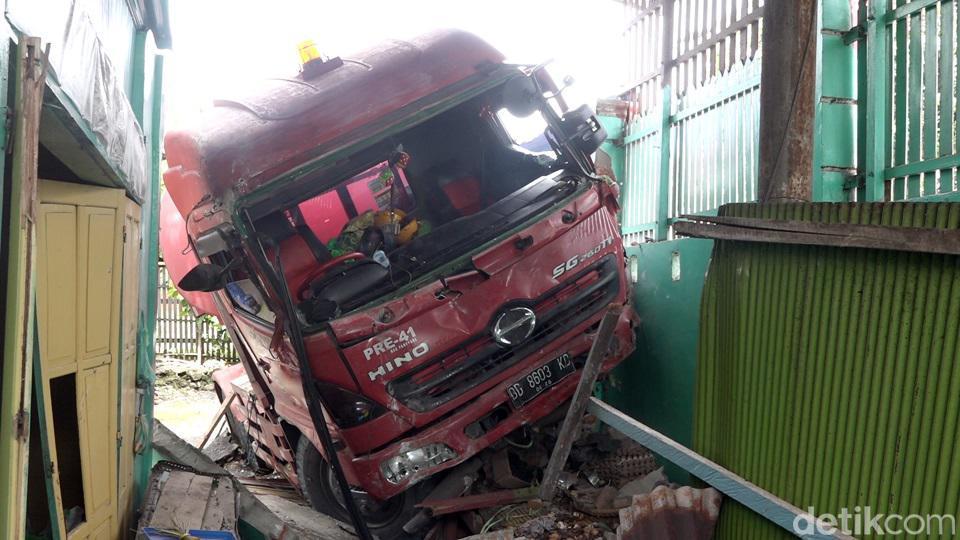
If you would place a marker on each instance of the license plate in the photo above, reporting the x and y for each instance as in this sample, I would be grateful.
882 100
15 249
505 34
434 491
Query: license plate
539 380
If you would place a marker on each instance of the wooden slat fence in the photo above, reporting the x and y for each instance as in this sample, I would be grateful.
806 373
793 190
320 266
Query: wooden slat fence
181 335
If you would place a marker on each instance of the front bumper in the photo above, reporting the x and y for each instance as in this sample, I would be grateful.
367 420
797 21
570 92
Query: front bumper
453 432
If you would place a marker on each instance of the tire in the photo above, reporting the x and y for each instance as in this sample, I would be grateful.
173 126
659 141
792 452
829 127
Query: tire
384 519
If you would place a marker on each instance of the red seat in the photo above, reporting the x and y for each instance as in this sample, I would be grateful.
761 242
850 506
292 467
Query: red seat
464 194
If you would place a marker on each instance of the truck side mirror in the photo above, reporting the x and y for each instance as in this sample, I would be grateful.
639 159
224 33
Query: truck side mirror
203 277
581 129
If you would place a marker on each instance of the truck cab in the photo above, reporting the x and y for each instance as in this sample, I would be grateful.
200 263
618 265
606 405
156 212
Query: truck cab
396 270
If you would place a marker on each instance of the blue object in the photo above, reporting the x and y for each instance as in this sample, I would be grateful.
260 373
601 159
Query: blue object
212 535
241 297
153 533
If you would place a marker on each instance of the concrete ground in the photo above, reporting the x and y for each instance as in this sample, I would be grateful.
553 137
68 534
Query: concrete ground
188 415
185 401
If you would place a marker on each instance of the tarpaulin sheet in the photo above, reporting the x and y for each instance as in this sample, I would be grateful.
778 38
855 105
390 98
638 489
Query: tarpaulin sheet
90 57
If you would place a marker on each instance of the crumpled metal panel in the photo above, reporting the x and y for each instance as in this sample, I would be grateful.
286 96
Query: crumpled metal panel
829 376
666 514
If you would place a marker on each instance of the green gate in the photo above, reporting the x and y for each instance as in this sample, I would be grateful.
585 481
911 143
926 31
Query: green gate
887 128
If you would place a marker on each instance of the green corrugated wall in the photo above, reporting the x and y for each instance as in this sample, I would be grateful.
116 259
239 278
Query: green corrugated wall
830 376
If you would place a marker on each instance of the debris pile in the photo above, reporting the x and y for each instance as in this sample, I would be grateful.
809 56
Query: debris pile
611 488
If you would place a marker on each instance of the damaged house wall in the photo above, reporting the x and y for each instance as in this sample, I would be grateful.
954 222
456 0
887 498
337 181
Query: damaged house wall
92 66
103 83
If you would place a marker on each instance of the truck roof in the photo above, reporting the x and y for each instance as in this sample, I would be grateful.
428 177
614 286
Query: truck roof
243 143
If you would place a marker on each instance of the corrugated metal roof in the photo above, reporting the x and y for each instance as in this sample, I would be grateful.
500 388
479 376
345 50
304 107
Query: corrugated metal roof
829 376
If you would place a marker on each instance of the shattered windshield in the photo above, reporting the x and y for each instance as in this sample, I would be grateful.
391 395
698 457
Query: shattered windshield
424 198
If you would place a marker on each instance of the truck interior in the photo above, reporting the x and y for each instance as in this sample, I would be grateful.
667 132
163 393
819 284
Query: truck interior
404 206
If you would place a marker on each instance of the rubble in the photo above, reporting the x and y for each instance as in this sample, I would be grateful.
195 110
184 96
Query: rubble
665 513
221 448
174 376
610 488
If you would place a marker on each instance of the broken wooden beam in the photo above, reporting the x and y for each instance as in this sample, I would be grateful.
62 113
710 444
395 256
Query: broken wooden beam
440 507
571 423
216 420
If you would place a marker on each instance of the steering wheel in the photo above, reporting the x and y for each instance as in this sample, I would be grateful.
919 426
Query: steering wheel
323 268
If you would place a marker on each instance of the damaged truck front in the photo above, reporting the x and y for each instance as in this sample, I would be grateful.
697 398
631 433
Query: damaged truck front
407 284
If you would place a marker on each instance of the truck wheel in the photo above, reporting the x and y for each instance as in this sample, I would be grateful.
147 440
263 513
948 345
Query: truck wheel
318 482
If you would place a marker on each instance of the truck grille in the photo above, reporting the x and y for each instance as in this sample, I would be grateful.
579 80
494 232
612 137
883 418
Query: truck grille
478 359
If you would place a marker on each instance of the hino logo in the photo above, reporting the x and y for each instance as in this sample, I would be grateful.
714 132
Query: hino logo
391 365
514 325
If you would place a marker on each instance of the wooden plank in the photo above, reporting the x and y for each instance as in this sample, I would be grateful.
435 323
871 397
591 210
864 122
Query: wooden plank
220 513
764 503
908 239
18 279
183 501
924 166
171 492
571 423
914 99
50 474
663 188
910 8
216 420
193 503
877 53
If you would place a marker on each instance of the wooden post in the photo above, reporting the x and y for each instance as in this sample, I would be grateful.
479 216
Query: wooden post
787 94
571 423
15 393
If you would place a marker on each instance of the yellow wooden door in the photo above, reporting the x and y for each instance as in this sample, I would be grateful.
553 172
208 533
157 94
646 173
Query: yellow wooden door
129 399
79 263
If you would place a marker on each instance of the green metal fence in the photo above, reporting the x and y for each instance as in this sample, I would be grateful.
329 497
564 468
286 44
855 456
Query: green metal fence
711 155
910 113
887 129
692 137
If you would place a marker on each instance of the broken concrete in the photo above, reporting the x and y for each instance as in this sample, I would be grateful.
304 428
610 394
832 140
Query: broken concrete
276 517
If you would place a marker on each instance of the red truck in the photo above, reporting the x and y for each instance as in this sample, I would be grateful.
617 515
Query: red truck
405 283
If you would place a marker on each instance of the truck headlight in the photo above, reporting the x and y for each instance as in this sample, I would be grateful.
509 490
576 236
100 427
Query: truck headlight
398 468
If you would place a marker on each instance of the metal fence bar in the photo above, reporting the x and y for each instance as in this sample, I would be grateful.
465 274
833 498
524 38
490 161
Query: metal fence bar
764 503
663 194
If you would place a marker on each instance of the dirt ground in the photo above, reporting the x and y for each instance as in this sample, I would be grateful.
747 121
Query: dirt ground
185 401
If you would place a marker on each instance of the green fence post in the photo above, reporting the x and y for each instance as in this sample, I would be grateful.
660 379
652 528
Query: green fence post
663 194
835 124
878 50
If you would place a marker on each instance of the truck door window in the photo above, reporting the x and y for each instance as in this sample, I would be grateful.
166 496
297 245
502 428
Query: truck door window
527 132
247 298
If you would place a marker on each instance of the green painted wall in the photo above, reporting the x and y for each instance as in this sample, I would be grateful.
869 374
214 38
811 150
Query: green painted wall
655 385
